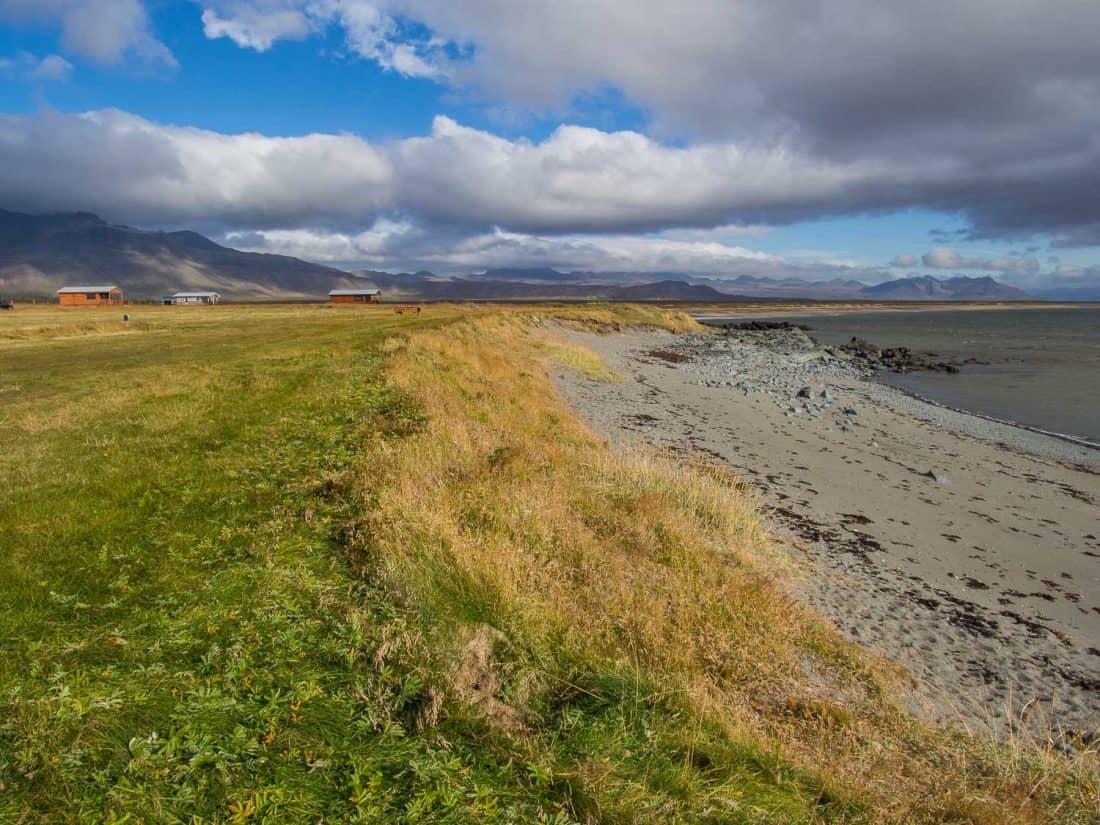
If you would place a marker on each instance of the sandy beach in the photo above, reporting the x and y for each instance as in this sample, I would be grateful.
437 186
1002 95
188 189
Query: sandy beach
964 549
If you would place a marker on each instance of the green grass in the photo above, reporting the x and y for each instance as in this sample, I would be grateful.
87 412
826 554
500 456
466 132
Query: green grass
247 556
182 636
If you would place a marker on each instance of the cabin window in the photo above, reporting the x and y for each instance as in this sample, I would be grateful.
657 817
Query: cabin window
91 296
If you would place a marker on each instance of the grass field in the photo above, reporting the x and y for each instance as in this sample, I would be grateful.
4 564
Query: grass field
302 564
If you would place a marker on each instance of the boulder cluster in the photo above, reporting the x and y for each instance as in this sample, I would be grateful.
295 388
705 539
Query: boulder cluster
898 359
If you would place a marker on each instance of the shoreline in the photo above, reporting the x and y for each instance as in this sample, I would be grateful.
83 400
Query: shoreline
960 546
1067 437
963 405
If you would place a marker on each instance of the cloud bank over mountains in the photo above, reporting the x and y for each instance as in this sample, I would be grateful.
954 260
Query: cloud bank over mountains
760 112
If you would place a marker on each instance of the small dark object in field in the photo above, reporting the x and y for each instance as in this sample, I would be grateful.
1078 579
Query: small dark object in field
126 316
937 476
665 355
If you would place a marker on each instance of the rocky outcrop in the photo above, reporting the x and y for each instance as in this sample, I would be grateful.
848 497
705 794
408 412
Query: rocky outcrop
764 326
898 359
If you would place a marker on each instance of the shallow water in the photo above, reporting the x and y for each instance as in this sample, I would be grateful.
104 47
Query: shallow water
1043 364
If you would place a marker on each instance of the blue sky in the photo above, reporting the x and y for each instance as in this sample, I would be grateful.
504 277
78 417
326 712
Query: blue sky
606 135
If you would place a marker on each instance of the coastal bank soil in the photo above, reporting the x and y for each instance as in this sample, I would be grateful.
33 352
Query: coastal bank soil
964 549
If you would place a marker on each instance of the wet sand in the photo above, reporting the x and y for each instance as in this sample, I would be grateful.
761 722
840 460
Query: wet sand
962 548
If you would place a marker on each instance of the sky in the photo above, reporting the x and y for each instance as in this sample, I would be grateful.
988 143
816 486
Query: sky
865 139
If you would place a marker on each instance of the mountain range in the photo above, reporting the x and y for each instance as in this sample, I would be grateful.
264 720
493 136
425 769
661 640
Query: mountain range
39 253
541 284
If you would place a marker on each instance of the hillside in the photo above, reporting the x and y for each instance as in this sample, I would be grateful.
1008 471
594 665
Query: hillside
668 291
830 290
39 253
959 288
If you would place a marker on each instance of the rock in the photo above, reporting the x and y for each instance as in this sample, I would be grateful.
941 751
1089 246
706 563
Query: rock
850 411
805 392
765 326
825 395
861 348
937 476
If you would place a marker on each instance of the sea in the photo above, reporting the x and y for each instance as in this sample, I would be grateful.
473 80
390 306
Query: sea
1041 367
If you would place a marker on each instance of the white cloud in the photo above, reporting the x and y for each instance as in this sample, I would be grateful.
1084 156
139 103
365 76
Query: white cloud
904 260
942 257
395 245
27 66
52 67
130 169
369 32
101 30
577 180
257 26
582 179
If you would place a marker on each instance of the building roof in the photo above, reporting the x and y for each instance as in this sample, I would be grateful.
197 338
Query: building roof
196 295
353 292
65 290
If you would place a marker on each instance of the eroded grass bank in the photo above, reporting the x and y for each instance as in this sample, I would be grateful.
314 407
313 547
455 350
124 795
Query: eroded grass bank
625 632
314 565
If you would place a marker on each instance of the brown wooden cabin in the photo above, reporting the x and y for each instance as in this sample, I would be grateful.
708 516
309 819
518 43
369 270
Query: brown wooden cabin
355 296
89 296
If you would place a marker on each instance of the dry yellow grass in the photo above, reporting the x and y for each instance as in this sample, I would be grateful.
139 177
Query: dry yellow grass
506 512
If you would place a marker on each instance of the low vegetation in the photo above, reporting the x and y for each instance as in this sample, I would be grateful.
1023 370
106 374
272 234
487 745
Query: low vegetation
311 564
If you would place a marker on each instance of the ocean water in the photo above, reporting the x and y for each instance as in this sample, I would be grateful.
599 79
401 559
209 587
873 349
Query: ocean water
1043 367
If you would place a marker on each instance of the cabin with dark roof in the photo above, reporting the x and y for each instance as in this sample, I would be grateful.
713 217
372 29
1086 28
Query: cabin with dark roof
355 296
89 296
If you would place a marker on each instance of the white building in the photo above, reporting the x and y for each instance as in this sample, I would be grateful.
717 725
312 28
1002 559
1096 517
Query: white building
193 298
